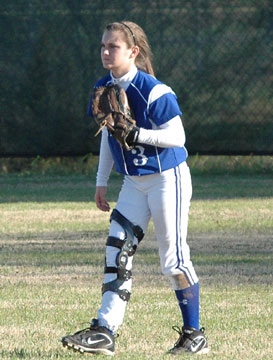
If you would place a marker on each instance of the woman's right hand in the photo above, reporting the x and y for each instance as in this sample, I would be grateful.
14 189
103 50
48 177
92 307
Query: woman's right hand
100 195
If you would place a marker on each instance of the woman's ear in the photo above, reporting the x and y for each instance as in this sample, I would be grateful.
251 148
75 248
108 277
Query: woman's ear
135 51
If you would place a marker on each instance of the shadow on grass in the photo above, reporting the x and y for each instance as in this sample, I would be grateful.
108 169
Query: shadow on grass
224 258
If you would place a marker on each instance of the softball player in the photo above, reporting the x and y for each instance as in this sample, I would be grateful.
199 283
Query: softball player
157 185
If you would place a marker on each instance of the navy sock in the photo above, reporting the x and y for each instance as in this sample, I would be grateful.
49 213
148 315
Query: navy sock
188 300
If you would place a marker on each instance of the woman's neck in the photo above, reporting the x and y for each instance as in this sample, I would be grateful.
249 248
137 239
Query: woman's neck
124 77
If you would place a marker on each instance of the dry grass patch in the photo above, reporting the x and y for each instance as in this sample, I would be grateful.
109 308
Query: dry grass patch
232 214
49 217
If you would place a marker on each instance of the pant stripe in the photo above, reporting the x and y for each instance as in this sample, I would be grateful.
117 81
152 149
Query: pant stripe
179 240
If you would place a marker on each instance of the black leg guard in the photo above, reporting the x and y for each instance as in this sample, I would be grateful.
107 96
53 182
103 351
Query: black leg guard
130 228
127 248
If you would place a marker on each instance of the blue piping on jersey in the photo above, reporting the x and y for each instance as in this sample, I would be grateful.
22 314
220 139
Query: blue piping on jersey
124 162
139 93
158 159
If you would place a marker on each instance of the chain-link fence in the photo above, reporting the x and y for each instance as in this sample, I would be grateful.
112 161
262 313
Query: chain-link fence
216 55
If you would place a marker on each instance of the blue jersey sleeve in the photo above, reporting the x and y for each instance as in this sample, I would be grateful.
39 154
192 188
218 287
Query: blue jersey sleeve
164 109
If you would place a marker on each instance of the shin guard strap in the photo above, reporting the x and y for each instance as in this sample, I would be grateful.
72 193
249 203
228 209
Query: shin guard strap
134 230
115 242
123 274
114 286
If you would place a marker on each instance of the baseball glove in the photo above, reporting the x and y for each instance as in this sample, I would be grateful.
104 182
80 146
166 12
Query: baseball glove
111 109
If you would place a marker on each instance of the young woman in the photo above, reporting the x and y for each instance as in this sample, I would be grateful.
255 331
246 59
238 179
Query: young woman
157 185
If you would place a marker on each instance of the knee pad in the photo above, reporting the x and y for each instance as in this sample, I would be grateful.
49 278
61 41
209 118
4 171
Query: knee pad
127 248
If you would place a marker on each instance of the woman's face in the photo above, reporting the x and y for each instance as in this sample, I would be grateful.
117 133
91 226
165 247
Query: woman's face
115 54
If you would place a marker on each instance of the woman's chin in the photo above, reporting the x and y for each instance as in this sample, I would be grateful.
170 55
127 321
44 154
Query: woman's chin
107 66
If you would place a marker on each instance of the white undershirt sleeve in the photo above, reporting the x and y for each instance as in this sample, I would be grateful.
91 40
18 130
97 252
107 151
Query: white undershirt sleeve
170 134
106 161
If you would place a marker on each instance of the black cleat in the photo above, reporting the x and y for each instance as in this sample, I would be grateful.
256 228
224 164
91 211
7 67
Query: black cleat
190 341
95 339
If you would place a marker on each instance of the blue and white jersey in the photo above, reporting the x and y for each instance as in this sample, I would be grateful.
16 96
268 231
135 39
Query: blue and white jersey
153 104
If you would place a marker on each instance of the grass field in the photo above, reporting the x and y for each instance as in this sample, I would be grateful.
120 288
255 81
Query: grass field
51 268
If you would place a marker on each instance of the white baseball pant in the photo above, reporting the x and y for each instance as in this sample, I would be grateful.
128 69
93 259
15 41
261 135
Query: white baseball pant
165 197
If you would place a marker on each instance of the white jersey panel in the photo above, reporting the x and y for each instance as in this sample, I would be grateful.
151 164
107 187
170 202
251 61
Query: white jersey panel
158 91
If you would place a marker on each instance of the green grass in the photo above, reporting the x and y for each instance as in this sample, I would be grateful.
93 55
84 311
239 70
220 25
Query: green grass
51 268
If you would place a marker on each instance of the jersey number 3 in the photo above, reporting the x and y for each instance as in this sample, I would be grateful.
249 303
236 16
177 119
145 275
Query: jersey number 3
140 158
